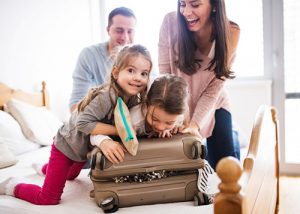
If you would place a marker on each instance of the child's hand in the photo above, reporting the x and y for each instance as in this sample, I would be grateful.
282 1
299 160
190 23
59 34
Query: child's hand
176 129
165 133
113 151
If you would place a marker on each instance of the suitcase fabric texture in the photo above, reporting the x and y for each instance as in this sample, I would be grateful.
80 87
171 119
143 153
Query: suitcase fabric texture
164 170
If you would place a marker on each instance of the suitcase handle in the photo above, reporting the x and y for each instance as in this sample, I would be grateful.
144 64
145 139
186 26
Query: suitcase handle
94 160
198 150
102 162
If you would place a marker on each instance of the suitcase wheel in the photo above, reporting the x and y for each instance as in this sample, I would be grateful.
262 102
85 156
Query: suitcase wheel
196 150
201 199
92 194
109 205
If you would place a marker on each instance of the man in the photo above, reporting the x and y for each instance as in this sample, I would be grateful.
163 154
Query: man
95 62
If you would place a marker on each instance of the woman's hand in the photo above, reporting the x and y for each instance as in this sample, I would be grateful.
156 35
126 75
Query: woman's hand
192 128
113 151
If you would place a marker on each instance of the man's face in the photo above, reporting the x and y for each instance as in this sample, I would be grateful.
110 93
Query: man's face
121 31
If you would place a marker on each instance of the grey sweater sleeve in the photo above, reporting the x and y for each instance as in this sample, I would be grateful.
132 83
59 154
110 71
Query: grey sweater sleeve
97 110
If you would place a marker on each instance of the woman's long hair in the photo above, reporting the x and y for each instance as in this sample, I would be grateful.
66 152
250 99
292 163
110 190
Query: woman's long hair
187 61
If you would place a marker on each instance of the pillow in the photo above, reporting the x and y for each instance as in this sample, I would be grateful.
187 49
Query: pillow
124 127
38 123
7 158
11 135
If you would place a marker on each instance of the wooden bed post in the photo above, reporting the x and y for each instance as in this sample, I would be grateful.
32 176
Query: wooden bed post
45 95
229 199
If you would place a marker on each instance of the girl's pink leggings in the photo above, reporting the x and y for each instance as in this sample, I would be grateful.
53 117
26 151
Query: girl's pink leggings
58 170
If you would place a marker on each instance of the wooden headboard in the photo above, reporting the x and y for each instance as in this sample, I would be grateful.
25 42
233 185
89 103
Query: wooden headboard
255 188
38 98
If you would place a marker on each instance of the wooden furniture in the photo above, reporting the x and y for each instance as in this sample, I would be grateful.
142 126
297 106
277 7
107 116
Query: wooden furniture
39 98
255 187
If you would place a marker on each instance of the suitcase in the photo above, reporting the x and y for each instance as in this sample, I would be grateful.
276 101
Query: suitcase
164 170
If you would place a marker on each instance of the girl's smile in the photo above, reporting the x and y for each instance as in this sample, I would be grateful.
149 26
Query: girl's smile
133 78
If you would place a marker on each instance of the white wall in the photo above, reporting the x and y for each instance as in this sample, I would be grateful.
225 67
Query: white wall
41 40
245 98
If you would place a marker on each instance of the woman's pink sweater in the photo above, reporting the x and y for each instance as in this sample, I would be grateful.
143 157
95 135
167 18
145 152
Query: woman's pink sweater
206 91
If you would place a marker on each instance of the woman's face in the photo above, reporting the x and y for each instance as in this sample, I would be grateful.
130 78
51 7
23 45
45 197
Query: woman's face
196 13
134 77
160 120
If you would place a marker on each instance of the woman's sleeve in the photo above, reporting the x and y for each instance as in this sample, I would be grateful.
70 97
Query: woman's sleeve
207 102
164 47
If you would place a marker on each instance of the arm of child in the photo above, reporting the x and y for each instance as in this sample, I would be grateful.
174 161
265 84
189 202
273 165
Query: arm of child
104 129
112 150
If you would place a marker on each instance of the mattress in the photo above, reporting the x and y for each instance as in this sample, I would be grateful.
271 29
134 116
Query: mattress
75 198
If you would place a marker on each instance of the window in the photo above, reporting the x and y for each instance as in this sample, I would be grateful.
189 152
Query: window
292 77
248 15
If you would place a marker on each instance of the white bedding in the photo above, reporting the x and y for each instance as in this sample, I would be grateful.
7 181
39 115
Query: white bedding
75 198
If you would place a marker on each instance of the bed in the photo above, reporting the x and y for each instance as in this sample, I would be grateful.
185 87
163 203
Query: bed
251 187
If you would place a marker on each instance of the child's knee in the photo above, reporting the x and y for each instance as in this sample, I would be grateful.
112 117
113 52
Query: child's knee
71 177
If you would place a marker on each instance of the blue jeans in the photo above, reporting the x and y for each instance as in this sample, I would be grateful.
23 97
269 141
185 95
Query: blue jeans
223 141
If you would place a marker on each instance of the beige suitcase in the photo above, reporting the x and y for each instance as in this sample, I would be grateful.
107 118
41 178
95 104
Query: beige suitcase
164 170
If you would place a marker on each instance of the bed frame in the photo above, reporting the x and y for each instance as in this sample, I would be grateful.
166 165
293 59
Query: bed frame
39 98
253 188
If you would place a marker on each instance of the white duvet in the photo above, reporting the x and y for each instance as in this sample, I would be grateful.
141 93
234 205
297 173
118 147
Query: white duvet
75 198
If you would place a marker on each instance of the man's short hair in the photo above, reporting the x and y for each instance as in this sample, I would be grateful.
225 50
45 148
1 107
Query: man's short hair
124 11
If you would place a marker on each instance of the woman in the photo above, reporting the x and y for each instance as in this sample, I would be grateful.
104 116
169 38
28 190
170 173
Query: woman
199 43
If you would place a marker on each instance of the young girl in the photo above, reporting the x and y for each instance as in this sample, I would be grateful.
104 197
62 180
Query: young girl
159 115
129 79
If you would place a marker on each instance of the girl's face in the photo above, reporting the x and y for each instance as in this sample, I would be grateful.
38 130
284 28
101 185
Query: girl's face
134 77
196 13
160 120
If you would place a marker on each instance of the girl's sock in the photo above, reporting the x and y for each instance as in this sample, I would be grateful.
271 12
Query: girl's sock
7 187
3 185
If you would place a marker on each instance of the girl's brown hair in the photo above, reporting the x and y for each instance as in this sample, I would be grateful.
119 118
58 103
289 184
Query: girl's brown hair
122 60
187 62
170 93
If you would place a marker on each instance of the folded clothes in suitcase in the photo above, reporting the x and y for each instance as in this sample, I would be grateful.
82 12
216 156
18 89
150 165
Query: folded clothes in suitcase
164 170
